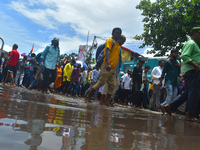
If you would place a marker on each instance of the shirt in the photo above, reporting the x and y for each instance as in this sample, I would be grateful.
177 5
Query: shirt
170 72
156 74
126 81
190 52
51 56
22 63
15 57
75 74
67 72
95 75
137 75
114 54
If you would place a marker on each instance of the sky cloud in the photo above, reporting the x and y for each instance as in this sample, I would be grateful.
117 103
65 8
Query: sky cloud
39 21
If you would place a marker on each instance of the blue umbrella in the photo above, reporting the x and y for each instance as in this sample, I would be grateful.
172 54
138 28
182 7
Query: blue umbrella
83 64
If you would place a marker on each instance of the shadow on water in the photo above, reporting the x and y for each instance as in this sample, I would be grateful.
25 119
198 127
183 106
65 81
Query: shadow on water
30 120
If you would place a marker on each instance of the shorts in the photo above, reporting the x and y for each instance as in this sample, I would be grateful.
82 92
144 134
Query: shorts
11 68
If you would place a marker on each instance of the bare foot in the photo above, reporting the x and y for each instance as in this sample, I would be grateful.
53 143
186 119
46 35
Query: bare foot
87 100
12 85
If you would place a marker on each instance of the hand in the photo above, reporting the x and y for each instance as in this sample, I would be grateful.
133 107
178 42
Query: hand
159 84
108 67
41 63
197 69
131 83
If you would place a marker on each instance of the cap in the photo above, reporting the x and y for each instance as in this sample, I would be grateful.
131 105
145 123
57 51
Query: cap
194 30
121 73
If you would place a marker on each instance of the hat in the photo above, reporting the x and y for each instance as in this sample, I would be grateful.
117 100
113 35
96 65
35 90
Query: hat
55 39
121 73
194 30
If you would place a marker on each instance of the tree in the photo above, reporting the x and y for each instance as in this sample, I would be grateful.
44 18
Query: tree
70 57
167 23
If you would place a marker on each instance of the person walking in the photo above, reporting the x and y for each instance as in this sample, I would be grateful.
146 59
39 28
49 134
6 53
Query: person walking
190 68
51 54
11 63
136 84
170 73
126 87
156 74
67 71
20 71
74 80
108 67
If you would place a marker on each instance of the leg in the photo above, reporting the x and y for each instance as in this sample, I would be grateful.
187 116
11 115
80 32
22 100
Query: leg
17 77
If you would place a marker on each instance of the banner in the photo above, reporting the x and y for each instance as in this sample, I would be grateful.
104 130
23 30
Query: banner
126 55
82 52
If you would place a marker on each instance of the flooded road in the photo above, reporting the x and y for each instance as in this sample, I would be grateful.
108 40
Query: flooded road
30 120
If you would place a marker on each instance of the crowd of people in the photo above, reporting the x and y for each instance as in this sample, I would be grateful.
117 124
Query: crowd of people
45 72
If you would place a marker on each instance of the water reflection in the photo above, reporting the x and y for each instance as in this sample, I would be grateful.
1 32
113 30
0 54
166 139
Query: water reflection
31 120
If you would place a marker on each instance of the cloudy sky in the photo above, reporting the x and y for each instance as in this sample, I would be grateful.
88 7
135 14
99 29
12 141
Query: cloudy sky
25 22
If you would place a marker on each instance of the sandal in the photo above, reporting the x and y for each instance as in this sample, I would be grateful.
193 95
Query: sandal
168 111
162 109
193 119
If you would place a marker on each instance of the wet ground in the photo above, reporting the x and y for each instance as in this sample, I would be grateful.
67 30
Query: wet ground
30 120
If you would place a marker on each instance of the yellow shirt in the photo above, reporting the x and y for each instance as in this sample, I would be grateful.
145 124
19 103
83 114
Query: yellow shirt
67 72
114 54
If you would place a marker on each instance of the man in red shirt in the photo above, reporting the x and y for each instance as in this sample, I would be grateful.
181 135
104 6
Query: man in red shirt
11 63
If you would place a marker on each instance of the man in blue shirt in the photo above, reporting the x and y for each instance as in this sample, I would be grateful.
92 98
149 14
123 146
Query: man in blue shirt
51 54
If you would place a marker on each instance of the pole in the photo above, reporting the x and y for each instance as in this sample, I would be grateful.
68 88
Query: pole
87 38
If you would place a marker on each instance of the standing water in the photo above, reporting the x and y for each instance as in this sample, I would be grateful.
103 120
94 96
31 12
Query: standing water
30 120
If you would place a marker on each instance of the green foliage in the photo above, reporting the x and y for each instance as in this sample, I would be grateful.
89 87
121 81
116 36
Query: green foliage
72 56
167 23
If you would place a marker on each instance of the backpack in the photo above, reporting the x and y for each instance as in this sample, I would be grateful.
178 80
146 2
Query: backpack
100 54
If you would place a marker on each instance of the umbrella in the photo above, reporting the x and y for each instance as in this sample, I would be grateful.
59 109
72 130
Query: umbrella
24 54
82 63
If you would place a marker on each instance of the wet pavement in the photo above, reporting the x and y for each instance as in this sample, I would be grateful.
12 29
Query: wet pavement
30 120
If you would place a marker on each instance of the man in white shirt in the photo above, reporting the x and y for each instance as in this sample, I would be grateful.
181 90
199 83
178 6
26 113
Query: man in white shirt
126 86
156 74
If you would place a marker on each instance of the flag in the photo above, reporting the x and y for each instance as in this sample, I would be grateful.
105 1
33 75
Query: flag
32 49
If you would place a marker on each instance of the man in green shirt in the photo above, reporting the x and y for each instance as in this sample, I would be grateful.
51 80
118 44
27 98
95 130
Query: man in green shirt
190 68
170 73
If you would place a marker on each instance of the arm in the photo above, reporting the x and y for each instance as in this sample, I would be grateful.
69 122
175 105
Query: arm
108 67
44 54
186 53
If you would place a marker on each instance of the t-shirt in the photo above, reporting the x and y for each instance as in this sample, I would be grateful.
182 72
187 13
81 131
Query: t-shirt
15 57
20 68
32 63
126 81
67 72
114 54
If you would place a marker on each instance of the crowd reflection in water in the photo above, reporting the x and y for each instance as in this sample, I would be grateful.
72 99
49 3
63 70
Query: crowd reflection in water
89 127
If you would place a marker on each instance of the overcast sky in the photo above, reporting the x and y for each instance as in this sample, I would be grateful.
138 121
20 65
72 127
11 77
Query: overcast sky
25 22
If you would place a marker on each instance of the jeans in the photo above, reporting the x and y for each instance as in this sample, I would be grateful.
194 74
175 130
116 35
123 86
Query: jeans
19 77
30 78
191 93
171 93
47 78
75 86
39 80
